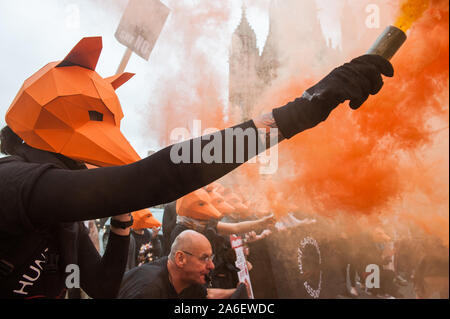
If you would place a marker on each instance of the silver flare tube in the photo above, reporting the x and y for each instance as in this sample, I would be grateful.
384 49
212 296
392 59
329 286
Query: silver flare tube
388 42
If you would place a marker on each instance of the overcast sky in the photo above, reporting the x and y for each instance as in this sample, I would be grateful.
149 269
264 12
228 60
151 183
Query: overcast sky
34 33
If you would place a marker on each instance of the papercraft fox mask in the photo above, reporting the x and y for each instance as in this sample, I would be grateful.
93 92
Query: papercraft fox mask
220 204
236 202
144 219
215 190
67 108
197 205
215 186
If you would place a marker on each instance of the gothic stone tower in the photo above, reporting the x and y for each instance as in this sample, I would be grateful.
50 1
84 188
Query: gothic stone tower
251 74
243 64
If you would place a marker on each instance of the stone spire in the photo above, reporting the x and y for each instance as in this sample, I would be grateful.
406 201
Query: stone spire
244 56
269 63
244 33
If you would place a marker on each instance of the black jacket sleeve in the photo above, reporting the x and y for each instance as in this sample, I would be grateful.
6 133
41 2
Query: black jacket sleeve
101 276
300 115
61 195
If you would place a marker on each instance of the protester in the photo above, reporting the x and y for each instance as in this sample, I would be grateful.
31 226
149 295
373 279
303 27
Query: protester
431 279
197 211
144 246
156 243
168 223
184 274
151 250
66 115
141 248
77 293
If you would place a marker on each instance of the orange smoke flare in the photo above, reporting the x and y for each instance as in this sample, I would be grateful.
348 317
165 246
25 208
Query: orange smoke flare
410 12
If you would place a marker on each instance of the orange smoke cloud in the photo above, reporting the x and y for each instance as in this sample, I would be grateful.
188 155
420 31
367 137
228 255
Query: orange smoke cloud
363 162
192 89
383 159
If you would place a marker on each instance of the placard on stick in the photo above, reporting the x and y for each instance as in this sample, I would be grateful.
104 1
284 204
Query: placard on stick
140 27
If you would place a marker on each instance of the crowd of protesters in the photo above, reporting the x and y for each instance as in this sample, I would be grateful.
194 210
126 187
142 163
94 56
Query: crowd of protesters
411 265
67 116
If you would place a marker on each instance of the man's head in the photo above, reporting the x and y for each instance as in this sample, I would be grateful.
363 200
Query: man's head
191 255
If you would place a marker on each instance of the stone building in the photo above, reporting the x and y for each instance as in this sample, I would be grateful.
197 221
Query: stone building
291 41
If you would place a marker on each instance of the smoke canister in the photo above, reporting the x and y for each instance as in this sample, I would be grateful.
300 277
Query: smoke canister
388 42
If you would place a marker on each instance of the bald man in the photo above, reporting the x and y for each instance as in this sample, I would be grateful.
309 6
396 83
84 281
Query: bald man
181 275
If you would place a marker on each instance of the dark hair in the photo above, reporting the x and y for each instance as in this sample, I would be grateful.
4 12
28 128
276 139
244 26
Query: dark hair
9 141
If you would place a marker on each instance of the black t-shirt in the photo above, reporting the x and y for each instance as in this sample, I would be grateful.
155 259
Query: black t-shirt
143 249
143 239
151 281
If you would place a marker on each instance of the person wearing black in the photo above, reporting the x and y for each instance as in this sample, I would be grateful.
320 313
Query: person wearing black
431 280
138 238
150 248
44 195
168 223
142 236
181 275
217 232
156 243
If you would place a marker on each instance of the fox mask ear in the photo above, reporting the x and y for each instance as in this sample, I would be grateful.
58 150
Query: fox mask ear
119 79
84 54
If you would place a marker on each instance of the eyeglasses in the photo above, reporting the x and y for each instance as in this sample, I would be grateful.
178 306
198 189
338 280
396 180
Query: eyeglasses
204 259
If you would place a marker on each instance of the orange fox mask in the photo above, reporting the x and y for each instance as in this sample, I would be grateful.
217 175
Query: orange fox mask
234 200
67 108
215 191
198 205
144 219
215 186
220 204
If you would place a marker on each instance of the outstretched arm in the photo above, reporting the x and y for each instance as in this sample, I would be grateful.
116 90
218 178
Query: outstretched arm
63 195
245 227
217 293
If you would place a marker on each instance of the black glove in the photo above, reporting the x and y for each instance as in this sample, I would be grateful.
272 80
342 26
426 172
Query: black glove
353 81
